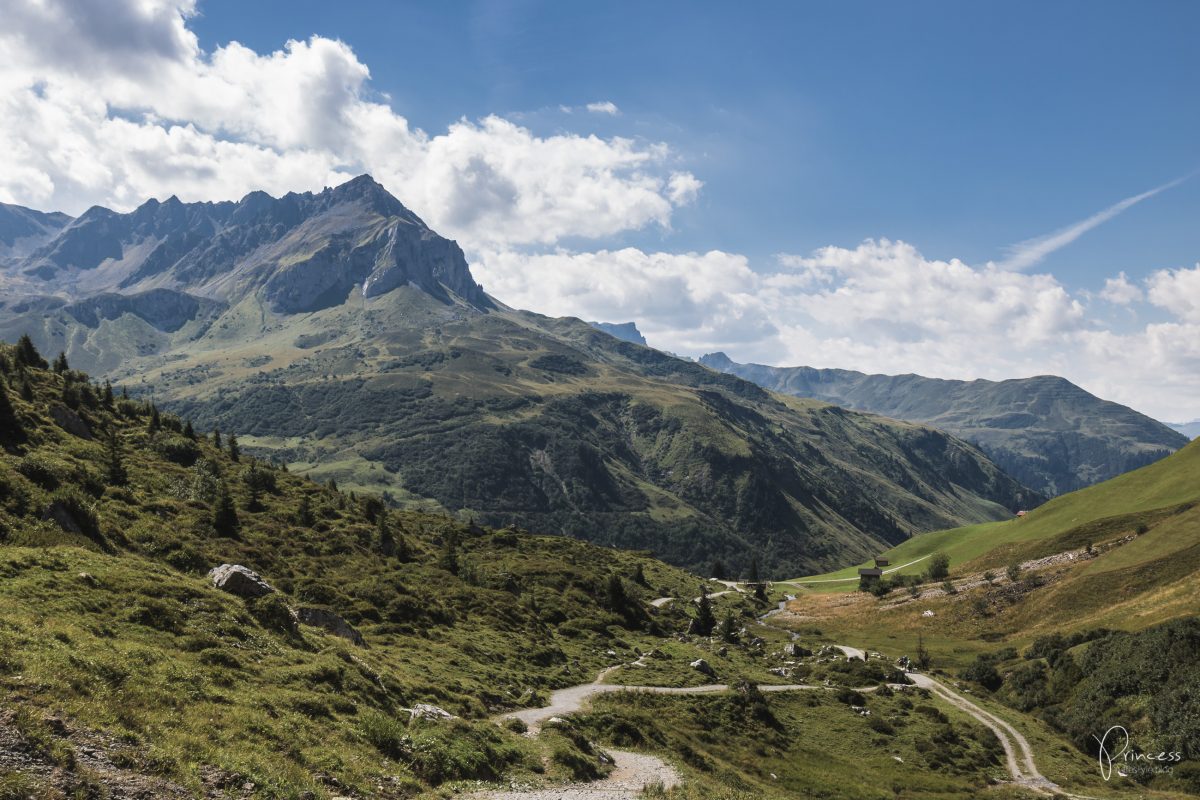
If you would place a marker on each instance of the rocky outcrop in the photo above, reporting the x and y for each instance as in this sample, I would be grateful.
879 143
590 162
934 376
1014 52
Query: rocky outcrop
335 624
427 711
164 309
240 581
69 421
625 331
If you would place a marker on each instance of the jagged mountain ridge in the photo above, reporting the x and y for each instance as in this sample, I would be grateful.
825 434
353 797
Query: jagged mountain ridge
304 251
23 230
1045 431
343 336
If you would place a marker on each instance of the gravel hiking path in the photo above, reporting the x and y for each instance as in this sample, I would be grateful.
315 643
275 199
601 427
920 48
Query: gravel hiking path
851 652
634 771
1017 750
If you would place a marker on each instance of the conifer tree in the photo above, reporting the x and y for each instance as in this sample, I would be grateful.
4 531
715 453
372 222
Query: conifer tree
387 542
615 598
225 517
114 457
235 452
189 431
704 622
11 430
70 394
728 630
26 389
254 502
155 419
60 363
217 438
304 515
108 398
28 355
449 559
717 570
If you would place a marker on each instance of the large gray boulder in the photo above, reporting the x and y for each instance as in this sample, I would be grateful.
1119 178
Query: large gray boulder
335 624
236 579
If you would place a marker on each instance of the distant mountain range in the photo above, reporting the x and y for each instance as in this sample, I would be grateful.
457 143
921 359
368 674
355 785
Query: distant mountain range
1188 429
1045 431
339 333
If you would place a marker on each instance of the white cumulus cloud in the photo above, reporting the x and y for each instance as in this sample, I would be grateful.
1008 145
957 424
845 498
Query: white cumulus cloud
1177 290
115 102
879 307
1121 291
604 107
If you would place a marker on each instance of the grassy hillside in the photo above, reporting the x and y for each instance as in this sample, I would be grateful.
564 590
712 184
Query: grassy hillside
1152 495
1045 431
109 519
342 336
1083 614
125 671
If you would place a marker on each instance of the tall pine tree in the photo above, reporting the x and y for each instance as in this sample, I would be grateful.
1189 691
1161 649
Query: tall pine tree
225 517
27 355
12 432
704 621
114 457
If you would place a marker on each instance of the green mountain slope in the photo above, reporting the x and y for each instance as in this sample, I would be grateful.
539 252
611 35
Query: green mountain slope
1165 492
343 336
108 524
127 673
1045 431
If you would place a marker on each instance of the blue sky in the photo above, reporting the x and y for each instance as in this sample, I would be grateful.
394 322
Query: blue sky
836 184
961 127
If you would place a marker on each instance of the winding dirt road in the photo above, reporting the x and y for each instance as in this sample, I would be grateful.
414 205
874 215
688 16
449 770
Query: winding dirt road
1017 751
634 771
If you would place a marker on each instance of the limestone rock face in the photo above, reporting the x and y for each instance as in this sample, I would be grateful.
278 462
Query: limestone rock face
238 580
704 668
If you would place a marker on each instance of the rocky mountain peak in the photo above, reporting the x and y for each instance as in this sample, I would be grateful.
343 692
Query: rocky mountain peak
302 251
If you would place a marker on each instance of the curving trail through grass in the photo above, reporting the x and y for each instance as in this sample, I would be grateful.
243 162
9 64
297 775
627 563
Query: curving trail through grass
634 771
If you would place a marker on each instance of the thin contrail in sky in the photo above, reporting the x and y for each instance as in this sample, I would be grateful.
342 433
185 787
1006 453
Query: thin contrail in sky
1031 251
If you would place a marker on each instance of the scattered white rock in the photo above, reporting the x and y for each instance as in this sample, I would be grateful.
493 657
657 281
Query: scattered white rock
427 711
236 579
927 613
